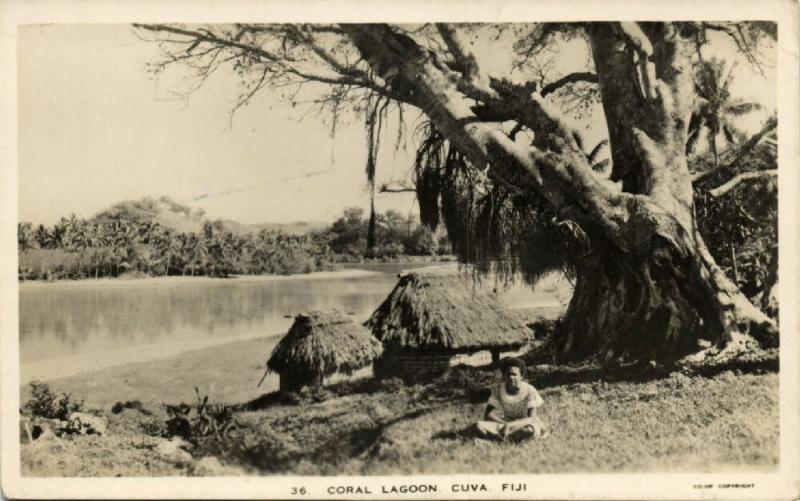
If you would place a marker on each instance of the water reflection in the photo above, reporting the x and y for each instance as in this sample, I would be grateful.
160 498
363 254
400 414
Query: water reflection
66 320
60 321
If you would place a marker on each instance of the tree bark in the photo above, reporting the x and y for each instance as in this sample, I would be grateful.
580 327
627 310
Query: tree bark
657 306
770 281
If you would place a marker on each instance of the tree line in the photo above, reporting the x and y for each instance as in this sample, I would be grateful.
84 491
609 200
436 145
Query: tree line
76 248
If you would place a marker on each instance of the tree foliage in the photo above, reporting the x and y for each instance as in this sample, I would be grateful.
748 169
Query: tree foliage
718 109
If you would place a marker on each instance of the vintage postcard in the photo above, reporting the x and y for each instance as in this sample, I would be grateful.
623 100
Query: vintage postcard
400 250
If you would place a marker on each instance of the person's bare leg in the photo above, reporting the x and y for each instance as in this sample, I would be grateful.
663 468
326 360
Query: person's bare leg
490 429
526 428
524 433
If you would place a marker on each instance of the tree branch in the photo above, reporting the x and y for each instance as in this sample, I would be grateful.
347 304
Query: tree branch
741 178
644 50
568 79
474 82
748 145
554 168
747 46
323 54
404 63
342 75
464 58
397 188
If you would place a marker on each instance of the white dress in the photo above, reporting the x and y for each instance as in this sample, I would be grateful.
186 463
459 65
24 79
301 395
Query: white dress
514 409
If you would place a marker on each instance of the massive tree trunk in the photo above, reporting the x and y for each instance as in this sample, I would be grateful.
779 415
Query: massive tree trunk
648 288
659 299
657 305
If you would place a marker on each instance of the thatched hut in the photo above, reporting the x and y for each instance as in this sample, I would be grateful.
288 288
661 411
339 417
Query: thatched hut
320 345
432 320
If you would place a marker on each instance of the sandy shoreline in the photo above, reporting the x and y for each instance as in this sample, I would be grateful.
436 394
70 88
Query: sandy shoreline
87 364
226 372
114 282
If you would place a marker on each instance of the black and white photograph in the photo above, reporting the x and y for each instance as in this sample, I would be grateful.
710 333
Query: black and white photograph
337 253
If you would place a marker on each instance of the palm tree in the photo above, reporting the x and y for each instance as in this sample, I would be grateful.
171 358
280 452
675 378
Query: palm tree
94 234
198 252
80 235
122 234
70 227
121 238
104 234
717 107
168 247
57 236
148 231
24 236
41 236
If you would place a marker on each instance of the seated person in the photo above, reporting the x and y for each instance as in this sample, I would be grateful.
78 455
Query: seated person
511 411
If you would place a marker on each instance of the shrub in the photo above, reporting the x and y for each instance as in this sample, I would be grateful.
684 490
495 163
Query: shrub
46 404
201 421
130 404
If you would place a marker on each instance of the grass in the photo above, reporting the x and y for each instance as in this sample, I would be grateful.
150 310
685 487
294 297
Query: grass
671 425
727 422
125 451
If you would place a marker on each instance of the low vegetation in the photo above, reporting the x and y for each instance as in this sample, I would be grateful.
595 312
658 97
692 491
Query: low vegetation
201 422
674 422
47 404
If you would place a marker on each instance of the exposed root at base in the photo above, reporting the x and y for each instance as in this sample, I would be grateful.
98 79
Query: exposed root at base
740 349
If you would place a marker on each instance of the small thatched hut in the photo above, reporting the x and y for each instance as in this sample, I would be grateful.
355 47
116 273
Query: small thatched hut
432 320
320 345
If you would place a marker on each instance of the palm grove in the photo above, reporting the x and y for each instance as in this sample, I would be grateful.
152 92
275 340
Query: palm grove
517 188
129 239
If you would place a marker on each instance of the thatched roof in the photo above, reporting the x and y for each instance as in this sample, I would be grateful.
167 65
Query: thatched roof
444 311
324 343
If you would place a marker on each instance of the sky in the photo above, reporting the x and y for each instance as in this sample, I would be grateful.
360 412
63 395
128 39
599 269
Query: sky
96 128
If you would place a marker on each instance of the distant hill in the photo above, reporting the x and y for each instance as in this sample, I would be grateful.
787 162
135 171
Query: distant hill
168 213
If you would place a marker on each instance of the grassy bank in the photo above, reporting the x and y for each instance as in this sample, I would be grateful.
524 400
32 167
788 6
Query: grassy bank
726 422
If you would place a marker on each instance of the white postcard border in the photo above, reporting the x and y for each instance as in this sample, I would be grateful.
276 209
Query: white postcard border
783 484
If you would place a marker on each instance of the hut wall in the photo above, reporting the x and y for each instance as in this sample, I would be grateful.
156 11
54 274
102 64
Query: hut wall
484 357
340 376
295 380
478 358
412 363
409 364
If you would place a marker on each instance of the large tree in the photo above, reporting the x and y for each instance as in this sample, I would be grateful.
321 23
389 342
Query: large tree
646 285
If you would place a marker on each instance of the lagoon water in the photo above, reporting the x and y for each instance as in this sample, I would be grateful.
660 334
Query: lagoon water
70 328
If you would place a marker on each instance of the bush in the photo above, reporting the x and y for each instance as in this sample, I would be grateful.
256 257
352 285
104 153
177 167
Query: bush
46 404
130 404
201 421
